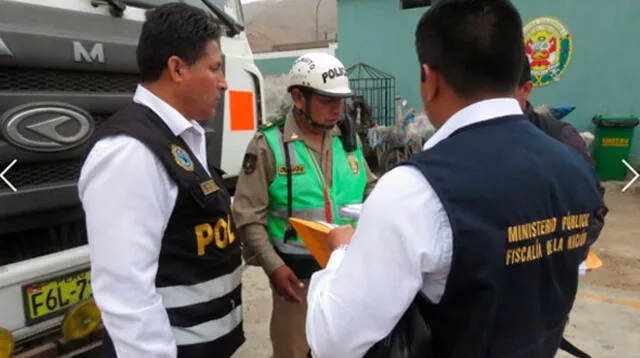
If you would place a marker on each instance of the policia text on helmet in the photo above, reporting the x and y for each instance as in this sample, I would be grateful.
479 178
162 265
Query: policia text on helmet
322 75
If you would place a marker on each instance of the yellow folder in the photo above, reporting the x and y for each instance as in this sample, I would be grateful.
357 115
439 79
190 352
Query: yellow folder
593 261
314 235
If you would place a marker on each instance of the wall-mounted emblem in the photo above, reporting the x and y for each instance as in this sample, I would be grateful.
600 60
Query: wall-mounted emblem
549 48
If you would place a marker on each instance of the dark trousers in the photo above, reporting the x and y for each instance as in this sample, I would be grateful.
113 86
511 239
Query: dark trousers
107 344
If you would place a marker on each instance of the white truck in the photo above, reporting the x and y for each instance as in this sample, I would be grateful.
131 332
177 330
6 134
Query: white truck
65 67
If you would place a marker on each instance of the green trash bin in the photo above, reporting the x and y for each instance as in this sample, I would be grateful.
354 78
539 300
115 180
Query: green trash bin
613 140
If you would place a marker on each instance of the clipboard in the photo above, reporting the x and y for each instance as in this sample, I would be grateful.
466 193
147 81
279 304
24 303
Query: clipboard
314 234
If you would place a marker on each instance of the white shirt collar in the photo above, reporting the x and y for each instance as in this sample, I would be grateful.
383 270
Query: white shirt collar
475 113
174 120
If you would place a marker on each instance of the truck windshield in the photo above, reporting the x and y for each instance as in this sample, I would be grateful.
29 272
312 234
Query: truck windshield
233 8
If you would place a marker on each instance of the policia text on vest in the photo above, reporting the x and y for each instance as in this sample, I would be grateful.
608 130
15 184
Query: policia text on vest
564 233
221 232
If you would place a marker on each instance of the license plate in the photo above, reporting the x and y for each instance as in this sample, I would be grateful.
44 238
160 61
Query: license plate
50 298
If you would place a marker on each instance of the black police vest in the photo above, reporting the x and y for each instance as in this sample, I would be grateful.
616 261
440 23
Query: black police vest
546 122
519 204
200 255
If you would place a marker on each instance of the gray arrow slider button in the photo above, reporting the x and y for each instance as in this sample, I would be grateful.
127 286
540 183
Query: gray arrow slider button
634 178
5 172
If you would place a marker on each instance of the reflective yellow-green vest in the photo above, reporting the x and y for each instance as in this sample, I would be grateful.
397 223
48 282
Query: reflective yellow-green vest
348 181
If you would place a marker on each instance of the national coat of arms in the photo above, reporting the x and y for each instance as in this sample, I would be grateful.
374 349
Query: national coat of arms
549 48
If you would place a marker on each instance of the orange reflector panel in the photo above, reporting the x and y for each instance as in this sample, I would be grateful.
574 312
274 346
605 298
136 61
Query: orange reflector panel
241 110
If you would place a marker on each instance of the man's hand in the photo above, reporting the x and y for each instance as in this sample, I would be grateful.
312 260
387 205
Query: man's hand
286 282
340 236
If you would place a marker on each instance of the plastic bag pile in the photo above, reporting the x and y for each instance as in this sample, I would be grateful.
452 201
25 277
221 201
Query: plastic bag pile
562 111
414 128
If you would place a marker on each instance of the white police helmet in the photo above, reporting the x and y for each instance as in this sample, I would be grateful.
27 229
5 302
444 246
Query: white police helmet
321 73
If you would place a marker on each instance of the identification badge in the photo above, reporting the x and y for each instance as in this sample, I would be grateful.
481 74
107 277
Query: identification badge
353 164
209 187
296 169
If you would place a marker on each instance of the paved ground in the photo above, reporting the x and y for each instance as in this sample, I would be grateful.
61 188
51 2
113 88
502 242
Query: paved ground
618 244
605 323
606 319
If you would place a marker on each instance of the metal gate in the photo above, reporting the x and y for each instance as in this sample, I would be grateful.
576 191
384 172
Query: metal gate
378 89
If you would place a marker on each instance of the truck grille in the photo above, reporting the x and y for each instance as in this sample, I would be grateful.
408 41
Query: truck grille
30 174
51 172
48 80
38 234
37 242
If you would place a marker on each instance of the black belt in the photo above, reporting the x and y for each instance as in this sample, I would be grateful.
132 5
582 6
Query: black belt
573 350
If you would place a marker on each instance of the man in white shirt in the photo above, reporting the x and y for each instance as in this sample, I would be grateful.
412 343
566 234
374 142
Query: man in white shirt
487 226
164 286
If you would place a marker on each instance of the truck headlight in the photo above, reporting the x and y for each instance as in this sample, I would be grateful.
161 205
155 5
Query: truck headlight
7 343
81 319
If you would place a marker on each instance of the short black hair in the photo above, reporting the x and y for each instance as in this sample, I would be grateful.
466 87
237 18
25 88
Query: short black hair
173 29
477 45
525 75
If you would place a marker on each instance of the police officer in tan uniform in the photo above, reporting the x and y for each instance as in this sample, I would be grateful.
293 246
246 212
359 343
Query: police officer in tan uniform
298 167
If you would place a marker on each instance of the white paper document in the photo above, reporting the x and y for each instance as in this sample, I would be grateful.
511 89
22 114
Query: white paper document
331 226
351 211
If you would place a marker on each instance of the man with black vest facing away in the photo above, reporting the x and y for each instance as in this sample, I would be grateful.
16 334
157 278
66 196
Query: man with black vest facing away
554 127
164 287
489 223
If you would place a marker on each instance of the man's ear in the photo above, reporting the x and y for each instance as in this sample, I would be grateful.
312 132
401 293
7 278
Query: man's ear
527 88
298 98
176 68
431 82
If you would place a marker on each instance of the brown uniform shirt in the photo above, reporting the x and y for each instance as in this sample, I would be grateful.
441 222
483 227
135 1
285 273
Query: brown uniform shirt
251 201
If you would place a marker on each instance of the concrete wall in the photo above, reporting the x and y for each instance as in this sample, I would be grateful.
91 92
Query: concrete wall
601 78
275 66
389 46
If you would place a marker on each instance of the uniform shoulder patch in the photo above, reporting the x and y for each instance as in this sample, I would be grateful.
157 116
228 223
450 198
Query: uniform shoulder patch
182 158
249 163
269 124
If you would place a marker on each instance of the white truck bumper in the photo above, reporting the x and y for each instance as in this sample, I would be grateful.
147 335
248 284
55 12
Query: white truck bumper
14 277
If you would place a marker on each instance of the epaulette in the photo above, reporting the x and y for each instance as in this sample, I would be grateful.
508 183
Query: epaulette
266 125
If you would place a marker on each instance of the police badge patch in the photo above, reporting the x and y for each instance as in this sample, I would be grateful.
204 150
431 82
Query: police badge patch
182 158
249 163
353 164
